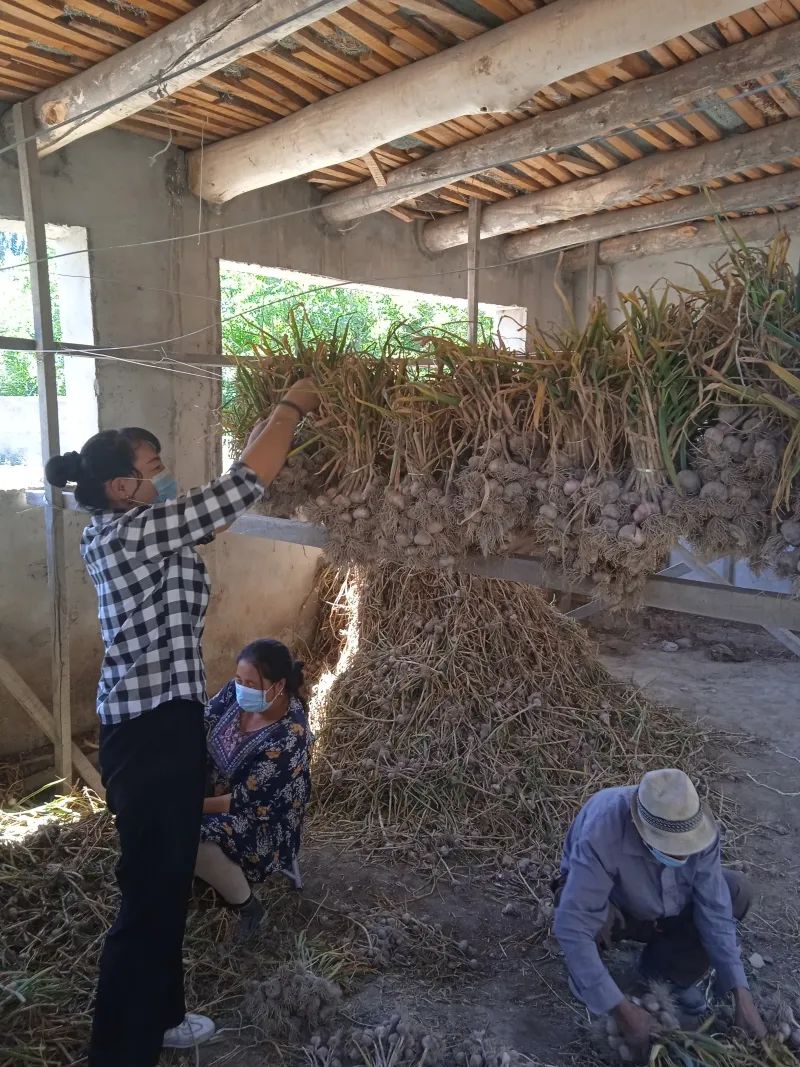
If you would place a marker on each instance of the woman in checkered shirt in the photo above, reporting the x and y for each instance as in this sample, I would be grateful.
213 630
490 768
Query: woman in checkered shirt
140 551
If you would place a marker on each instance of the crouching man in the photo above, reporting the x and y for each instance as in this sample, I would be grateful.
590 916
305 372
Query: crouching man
642 863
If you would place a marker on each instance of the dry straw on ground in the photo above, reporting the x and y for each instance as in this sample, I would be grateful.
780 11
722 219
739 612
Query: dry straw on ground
57 899
596 448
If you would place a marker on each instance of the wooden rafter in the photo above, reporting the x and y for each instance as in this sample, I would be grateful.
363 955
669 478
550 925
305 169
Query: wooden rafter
747 196
177 55
43 43
682 237
494 72
650 176
628 106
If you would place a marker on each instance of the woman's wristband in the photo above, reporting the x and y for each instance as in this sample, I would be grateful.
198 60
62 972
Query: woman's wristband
295 407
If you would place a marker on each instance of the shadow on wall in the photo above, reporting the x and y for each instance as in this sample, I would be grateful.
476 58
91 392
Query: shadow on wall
260 589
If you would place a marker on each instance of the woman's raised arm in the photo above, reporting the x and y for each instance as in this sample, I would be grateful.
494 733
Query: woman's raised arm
266 453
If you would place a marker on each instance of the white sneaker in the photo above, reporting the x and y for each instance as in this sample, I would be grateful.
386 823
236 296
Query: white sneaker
194 1030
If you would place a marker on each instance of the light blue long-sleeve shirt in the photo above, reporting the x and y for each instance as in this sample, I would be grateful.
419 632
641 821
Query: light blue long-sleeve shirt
605 861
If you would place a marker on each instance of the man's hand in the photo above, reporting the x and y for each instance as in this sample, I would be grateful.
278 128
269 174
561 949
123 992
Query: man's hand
638 1028
747 1017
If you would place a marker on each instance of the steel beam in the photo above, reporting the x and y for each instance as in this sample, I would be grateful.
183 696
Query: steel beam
665 590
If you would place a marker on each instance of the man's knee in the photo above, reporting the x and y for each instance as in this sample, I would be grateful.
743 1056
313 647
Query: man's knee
741 893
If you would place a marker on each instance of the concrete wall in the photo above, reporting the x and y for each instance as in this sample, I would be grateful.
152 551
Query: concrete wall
114 185
679 268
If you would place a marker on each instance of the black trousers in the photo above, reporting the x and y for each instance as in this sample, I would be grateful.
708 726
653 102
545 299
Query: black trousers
673 950
153 769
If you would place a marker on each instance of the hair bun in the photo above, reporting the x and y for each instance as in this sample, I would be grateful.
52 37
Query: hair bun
62 469
297 672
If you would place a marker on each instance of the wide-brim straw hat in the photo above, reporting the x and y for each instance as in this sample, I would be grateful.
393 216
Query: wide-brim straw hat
670 816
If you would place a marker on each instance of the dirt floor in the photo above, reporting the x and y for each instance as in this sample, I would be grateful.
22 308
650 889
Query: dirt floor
473 953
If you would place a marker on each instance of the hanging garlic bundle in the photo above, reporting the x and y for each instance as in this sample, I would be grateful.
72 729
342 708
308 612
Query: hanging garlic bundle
596 449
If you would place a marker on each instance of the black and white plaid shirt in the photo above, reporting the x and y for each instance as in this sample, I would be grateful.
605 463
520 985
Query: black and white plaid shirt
152 589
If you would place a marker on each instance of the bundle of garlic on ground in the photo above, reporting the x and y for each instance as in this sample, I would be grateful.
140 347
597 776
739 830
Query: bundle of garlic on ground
467 714
781 1016
296 997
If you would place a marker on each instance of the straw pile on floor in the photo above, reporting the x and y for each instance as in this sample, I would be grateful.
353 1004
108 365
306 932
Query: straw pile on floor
57 899
597 449
468 714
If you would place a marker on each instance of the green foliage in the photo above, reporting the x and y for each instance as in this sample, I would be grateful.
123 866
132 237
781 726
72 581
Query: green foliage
271 303
18 369
17 374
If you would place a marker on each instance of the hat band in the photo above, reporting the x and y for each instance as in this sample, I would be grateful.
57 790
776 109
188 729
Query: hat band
670 826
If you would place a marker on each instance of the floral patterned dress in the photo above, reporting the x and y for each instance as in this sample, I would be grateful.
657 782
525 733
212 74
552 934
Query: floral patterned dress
267 774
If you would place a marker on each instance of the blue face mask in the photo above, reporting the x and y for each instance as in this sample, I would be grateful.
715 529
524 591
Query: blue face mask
663 858
252 700
166 487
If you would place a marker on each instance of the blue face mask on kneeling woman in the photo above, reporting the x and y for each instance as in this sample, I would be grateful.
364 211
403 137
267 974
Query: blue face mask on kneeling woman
252 700
663 858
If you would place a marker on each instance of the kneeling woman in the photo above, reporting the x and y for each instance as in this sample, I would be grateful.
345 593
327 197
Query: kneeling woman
259 748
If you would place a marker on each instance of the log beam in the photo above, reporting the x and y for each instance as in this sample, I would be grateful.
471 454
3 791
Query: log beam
211 35
748 196
651 175
756 230
628 105
496 71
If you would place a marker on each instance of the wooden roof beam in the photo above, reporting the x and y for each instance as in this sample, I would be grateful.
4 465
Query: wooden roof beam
653 175
756 230
614 111
494 72
749 196
210 36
